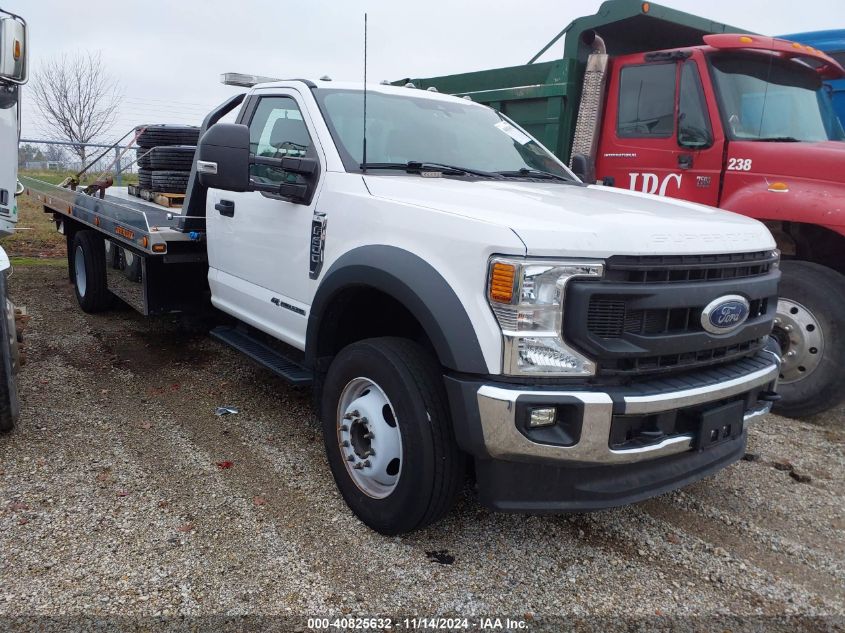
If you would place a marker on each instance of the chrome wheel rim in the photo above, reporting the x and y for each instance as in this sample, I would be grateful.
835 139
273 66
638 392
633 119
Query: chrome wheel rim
368 437
79 271
801 339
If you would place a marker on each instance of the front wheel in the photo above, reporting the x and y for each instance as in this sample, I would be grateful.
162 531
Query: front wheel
388 435
810 327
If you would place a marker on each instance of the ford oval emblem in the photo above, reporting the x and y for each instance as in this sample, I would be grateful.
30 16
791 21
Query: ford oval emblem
725 314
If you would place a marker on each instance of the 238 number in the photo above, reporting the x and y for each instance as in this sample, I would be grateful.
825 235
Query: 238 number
739 164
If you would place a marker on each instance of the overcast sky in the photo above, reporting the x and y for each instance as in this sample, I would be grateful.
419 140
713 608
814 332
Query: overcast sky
168 55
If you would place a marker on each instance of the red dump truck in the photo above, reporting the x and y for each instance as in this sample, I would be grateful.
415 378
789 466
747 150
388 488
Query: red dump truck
662 102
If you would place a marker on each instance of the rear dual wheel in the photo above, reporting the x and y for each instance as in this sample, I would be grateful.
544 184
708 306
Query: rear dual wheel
88 257
388 435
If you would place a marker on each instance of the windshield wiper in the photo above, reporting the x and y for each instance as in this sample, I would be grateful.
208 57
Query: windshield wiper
413 166
778 139
534 173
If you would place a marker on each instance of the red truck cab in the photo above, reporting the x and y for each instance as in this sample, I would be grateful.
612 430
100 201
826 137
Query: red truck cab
744 123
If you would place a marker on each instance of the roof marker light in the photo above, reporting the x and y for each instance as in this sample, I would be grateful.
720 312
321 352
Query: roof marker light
646 7
746 40
243 80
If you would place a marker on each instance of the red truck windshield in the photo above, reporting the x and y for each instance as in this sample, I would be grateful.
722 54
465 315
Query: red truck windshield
766 98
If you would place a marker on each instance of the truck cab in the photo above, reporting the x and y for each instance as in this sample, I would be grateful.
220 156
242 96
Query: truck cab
745 123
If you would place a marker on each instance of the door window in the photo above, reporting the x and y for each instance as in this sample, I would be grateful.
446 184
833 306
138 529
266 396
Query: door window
647 101
277 131
694 129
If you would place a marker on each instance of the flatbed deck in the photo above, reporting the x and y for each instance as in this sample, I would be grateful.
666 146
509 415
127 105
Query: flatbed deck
142 224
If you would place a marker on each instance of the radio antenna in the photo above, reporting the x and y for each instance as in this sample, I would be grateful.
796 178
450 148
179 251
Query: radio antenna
364 157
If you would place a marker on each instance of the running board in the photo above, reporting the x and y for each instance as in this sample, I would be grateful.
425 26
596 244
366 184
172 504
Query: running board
264 355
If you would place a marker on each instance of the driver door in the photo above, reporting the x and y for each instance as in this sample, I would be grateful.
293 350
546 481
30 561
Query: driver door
259 243
657 136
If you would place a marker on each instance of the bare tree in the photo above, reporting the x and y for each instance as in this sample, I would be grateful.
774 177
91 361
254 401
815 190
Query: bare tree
77 98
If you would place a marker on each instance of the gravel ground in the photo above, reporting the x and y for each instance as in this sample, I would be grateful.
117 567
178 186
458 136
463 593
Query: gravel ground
123 495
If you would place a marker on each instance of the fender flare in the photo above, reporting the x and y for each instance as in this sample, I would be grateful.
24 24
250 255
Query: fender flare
415 284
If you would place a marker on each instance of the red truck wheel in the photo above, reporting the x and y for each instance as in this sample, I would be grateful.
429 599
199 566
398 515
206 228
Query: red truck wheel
810 327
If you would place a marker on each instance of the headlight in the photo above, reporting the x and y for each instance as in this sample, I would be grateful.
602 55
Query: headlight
527 297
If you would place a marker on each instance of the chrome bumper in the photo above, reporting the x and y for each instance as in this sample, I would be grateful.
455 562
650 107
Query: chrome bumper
503 440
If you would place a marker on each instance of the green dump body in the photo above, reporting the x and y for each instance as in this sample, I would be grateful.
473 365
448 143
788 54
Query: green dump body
543 97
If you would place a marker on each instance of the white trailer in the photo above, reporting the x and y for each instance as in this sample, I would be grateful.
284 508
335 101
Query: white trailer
13 74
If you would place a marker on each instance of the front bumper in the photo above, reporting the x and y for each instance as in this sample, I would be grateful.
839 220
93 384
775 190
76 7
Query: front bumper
487 425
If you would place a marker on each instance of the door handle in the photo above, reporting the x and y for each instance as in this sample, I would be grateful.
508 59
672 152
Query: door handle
685 161
226 207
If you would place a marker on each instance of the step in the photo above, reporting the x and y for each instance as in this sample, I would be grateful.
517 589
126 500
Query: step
264 355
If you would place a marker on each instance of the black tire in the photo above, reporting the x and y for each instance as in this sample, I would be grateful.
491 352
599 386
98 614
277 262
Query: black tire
9 404
170 181
162 134
169 158
432 467
819 291
145 179
89 282
130 263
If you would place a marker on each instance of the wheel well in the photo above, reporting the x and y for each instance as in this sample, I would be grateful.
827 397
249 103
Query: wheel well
809 242
361 312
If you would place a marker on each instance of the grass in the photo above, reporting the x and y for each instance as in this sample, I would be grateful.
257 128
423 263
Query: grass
58 262
55 177
36 234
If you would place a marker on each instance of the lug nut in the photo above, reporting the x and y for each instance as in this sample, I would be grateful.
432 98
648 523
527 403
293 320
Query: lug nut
366 463
358 466
790 354
369 435
350 457
344 444
787 328
344 427
370 453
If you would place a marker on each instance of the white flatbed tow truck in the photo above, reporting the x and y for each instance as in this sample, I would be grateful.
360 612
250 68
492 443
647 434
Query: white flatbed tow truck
456 298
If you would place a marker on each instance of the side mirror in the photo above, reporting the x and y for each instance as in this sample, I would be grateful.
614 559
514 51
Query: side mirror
13 49
581 168
224 162
223 157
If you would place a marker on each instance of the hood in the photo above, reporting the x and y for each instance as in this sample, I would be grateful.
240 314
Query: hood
554 219
824 161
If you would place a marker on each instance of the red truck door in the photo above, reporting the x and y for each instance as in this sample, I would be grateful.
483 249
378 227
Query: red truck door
657 135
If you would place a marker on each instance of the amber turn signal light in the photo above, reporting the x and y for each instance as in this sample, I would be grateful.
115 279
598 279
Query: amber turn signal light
502 278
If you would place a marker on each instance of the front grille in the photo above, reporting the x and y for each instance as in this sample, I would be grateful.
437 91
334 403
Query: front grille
611 318
689 268
686 360
644 315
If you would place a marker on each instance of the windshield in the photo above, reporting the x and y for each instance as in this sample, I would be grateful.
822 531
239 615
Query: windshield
763 97
401 129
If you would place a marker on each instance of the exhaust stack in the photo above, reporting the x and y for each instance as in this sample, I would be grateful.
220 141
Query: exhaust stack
585 143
